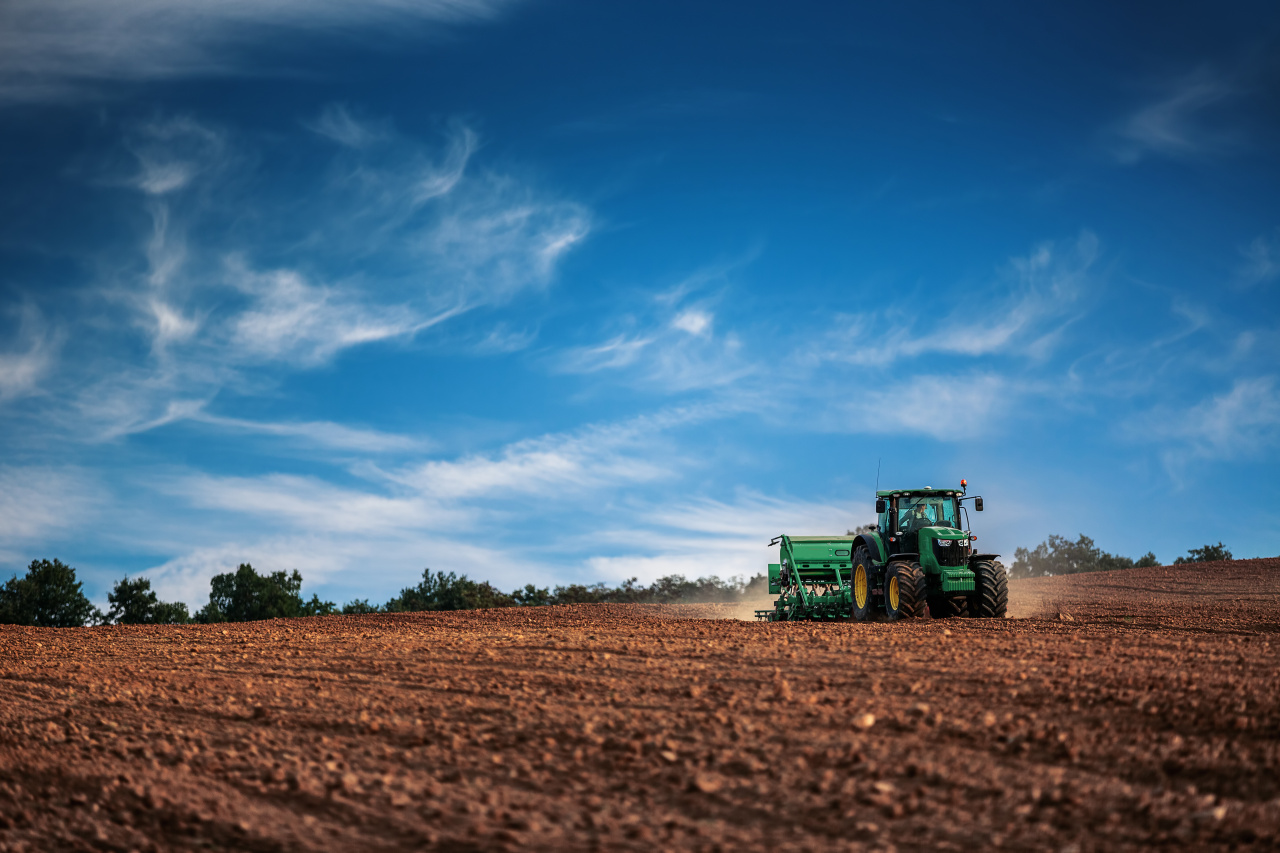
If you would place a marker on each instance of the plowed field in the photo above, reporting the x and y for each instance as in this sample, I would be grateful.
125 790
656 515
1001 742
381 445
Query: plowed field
1123 711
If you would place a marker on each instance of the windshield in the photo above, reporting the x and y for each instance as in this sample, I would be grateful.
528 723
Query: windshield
926 511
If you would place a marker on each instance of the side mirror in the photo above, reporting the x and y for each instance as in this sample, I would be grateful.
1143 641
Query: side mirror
977 504
879 505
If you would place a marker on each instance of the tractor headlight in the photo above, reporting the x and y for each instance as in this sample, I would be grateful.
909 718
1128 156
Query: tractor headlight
943 542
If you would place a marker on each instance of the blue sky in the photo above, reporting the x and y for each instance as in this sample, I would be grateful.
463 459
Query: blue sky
552 291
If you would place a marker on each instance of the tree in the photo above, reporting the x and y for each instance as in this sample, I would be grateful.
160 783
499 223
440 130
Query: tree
244 596
1207 554
48 596
134 603
1146 561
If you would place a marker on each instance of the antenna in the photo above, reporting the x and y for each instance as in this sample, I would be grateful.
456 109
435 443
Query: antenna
878 473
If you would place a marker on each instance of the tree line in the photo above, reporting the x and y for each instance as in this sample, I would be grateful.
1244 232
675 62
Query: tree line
50 596
1059 555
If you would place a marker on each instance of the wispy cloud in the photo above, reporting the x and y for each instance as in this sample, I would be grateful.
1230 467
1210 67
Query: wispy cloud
1261 260
30 355
39 502
670 340
426 512
338 124
448 242
1232 425
1176 124
64 48
293 320
555 466
947 408
1022 313
702 537
325 434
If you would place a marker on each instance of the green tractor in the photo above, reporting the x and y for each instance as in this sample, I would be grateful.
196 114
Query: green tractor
919 559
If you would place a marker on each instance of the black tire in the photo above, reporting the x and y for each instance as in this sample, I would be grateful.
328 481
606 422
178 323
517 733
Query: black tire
863 601
990 596
951 605
904 591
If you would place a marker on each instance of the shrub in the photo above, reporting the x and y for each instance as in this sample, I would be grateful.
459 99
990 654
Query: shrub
48 596
361 605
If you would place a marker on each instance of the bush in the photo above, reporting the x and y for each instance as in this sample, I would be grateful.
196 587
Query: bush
1207 554
360 605
244 596
531 596
48 596
133 603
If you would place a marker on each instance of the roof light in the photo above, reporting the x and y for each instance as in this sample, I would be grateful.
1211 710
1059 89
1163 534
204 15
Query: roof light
964 482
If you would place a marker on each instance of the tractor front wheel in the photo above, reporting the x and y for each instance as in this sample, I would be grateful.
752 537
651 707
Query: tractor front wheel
904 591
990 596
861 584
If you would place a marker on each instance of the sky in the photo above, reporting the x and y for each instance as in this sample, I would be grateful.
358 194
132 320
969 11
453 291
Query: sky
549 292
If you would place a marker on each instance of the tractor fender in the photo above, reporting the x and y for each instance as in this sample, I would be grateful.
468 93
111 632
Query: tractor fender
873 544
977 558
906 557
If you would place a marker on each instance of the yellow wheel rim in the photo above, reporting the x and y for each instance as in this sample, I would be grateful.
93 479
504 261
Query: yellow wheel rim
860 585
893 592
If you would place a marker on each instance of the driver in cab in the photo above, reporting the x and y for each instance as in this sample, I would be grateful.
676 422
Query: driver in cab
917 517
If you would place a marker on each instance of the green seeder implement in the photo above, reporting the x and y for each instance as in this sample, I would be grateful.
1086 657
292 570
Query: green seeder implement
918 559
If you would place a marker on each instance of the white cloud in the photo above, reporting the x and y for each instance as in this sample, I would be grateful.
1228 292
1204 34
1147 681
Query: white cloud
693 321
1175 125
64 48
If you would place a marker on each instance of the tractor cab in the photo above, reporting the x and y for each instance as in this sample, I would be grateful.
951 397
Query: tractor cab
903 514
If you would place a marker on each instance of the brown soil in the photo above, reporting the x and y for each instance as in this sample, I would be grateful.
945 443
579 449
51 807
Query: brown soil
1132 709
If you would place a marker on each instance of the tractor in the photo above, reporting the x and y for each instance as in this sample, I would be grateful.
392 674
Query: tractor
918 559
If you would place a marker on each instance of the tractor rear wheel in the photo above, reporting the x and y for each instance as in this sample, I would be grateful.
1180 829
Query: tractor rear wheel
904 591
990 596
860 584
